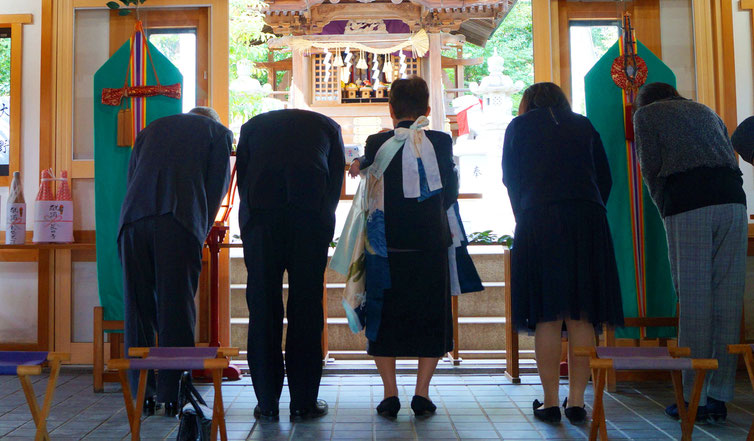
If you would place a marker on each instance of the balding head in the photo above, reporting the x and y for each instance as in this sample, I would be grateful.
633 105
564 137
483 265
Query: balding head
209 112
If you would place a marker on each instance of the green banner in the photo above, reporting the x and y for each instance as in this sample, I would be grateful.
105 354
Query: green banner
604 107
111 165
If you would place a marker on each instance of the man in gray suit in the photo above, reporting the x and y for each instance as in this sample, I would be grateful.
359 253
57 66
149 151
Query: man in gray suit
177 177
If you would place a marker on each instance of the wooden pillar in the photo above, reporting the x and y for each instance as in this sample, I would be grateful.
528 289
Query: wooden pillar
434 80
705 92
299 82
460 74
542 30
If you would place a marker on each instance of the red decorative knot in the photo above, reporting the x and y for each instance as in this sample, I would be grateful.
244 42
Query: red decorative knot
618 72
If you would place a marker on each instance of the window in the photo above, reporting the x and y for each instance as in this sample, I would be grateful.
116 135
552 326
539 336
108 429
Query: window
5 85
179 46
590 40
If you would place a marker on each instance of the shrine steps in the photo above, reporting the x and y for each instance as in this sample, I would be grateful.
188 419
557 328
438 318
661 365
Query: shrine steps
481 316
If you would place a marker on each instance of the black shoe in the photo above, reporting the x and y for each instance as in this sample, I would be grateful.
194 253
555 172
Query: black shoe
267 415
318 410
701 412
171 409
717 411
389 407
422 406
149 406
576 415
548 415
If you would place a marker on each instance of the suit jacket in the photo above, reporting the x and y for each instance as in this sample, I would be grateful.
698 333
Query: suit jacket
410 224
290 159
552 155
180 164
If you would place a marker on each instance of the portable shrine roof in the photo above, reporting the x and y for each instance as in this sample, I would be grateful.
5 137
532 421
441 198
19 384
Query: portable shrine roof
476 20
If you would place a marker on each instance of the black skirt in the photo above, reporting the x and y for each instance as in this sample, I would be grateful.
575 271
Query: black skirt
416 313
563 266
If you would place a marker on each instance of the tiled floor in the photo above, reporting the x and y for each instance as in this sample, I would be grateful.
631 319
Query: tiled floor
469 407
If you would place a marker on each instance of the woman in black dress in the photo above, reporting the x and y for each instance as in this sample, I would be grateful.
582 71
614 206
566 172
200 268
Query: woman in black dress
415 318
563 268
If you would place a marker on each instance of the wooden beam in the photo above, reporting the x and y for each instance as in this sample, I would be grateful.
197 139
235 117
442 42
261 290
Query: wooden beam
7 19
448 62
286 64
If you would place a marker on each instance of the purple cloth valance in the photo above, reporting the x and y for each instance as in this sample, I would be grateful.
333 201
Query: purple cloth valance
338 27
10 360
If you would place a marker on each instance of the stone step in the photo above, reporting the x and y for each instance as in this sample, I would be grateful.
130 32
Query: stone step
476 335
490 302
487 258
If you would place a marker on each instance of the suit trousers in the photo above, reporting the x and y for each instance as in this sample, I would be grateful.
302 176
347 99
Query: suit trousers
707 248
296 242
161 262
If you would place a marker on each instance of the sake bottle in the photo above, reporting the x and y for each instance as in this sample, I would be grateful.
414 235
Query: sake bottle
15 221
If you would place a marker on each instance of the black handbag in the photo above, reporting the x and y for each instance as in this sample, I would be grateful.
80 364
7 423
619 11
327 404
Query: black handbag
195 416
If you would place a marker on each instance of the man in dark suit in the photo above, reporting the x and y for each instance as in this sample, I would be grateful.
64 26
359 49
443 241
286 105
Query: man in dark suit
177 177
290 171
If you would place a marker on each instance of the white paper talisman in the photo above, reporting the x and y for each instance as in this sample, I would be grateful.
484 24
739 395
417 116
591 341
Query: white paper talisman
53 221
15 224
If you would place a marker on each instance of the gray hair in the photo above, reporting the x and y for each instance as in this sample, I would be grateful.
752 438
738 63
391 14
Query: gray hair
209 112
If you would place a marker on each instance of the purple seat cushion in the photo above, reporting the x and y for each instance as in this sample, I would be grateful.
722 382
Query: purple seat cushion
643 359
174 358
10 360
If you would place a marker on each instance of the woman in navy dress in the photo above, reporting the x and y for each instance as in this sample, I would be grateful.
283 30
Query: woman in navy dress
563 269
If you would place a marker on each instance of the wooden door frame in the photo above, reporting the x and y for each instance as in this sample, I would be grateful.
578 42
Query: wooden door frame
56 134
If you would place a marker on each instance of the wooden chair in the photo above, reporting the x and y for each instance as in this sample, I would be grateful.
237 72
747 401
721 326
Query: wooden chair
24 364
145 359
606 359
747 351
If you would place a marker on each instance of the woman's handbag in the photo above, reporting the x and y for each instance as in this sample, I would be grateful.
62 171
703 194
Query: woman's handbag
195 417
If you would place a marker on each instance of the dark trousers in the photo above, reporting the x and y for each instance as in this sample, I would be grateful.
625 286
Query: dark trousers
161 266
272 243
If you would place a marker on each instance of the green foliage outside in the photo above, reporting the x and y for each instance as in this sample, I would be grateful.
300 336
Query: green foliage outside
4 66
513 41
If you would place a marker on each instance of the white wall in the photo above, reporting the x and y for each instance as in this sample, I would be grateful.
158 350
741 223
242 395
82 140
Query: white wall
18 296
745 107
677 36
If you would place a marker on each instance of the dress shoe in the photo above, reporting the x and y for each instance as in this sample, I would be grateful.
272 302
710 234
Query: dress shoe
422 406
546 414
717 411
319 409
267 415
389 407
701 412
171 409
576 415
149 406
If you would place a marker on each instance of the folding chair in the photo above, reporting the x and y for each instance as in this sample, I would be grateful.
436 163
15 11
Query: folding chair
209 358
24 364
747 351
605 359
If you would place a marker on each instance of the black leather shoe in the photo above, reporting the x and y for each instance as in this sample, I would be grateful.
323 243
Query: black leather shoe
717 411
171 409
576 415
422 406
149 406
548 415
701 412
266 415
318 410
389 407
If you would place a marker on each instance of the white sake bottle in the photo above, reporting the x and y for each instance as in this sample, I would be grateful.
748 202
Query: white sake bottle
15 221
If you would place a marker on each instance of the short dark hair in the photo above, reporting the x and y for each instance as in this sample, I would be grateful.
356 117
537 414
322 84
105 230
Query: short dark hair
543 95
652 92
409 97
